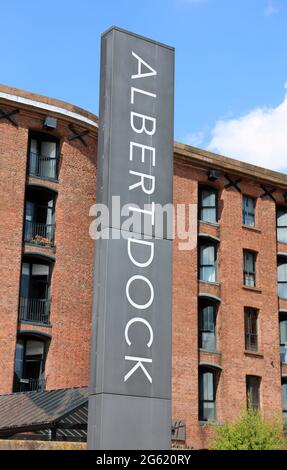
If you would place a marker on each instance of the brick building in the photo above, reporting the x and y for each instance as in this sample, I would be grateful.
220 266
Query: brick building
229 291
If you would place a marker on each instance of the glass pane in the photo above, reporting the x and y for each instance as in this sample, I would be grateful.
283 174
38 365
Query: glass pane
208 341
208 198
282 218
25 280
48 159
49 149
282 234
209 411
208 318
282 272
19 357
207 255
208 203
34 348
283 332
282 291
249 261
249 280
283 354
284 396
208 392
29 211
34 146
208 215
253 384
250 220
208 274
40 270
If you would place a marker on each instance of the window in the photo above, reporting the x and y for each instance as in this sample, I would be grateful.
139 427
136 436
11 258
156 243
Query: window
283 338
253 391
39 217
282 278
208 205
207 322
282 224
248 211
43 156
35 292
207 394
249 268
207 262
284 398
29 365
251 333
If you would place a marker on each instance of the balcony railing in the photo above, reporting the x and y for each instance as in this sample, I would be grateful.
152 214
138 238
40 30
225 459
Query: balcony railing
34 310
283 354
30 385
42 234
45 167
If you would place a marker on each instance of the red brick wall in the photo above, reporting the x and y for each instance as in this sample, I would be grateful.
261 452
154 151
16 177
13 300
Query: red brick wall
71 289
235 363
13 153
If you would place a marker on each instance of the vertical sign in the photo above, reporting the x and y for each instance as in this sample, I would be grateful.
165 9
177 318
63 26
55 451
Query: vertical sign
130 385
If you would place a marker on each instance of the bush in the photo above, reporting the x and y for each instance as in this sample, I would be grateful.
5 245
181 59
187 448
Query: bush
250 432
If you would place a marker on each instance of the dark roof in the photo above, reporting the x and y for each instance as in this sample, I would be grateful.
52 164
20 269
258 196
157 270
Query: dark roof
64 411
36 411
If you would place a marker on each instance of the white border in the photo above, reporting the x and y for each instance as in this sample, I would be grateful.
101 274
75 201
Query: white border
47 107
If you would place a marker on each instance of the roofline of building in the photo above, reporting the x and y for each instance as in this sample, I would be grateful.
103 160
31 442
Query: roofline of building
184 153
207 160
45 104
49 390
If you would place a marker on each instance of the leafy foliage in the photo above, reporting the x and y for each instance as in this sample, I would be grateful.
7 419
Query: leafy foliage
250 432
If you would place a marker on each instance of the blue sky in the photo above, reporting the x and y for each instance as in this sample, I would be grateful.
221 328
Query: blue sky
231 63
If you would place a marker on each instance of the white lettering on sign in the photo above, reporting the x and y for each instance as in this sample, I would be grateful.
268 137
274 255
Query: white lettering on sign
139 320
141 153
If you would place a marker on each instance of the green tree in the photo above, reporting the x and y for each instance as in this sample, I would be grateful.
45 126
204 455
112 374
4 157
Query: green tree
250 432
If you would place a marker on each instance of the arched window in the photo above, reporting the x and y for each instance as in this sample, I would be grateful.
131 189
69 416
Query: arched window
208 204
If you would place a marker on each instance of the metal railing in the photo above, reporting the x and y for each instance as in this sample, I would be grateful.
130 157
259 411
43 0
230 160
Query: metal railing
42 166
34 310
39 233
30 385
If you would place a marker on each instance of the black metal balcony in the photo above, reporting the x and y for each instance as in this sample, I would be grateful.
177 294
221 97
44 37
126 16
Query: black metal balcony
43 167
34 310
42 234
29 385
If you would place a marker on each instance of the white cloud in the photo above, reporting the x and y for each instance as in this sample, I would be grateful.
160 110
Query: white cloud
271 9
195 139
259 137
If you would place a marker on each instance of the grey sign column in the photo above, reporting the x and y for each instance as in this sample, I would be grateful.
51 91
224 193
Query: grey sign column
130 387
